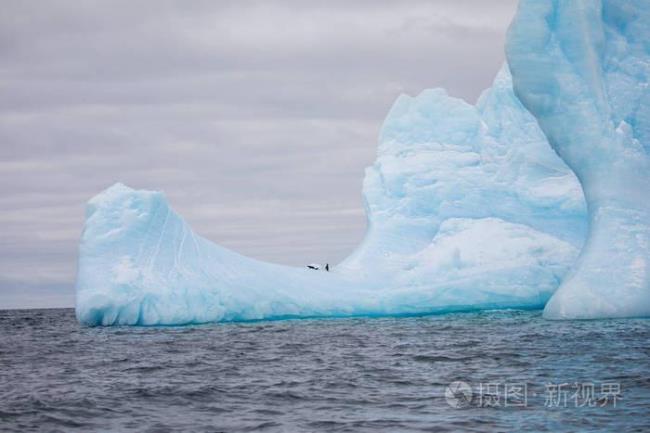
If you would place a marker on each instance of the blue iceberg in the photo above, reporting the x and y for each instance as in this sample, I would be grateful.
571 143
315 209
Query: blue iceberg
583 69
468 208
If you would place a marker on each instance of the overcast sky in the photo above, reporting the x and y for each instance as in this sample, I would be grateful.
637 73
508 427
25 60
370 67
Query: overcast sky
256 118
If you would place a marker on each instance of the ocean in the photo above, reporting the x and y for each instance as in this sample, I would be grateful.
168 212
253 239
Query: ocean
486 371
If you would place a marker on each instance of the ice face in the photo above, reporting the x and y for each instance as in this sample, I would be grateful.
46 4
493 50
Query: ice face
583 68
468 208
442 158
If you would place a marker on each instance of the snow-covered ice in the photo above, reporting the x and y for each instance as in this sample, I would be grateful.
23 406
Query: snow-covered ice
583 69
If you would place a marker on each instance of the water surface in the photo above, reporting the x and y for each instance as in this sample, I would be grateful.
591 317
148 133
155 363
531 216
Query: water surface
356 375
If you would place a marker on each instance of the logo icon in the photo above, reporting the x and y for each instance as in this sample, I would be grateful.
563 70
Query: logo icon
458 394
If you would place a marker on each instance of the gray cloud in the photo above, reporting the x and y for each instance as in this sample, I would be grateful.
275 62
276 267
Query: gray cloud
256 118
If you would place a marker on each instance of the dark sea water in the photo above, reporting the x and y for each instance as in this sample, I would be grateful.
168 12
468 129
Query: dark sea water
356 375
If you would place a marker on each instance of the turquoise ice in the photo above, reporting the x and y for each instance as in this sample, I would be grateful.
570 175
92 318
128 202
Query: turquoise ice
468 208
583 68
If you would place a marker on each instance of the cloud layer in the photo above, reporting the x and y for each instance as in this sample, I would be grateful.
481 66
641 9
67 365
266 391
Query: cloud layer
256 118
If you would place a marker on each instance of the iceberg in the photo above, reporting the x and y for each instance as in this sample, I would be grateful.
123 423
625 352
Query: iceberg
468 208
583 69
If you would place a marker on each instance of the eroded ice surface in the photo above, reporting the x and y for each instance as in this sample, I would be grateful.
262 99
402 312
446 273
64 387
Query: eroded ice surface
583 68
441 158
468 208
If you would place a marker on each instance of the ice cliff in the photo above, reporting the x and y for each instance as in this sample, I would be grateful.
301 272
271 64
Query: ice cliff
583 69
468 208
